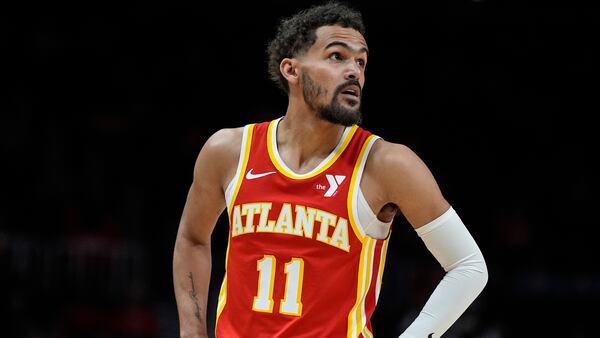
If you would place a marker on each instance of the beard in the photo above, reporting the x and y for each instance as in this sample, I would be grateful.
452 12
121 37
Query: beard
334 111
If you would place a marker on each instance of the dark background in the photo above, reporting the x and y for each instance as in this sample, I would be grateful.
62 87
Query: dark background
105 108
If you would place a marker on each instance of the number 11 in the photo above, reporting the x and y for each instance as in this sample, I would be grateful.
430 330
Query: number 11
290 304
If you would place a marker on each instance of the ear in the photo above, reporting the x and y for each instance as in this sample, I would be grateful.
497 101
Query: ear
289 69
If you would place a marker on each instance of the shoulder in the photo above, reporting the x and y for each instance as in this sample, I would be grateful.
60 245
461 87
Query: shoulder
226 140
394 173
386 156
392 162
219 154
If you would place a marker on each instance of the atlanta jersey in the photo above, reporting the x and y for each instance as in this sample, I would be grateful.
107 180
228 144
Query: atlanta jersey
299 263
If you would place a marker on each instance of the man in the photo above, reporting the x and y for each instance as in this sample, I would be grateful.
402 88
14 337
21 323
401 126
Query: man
310 198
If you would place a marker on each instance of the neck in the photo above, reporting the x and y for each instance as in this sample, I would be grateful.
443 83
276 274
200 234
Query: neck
304 140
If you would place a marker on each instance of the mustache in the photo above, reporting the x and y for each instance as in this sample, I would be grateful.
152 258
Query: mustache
351 82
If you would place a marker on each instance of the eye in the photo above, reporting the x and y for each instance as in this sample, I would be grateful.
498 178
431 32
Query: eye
336 56
361 62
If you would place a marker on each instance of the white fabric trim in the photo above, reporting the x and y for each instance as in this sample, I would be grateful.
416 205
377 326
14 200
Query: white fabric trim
436 222
238 175
318 167
355 202
452 245
373 227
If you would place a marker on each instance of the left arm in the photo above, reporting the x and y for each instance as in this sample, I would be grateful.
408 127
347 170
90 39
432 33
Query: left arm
400 177
452 245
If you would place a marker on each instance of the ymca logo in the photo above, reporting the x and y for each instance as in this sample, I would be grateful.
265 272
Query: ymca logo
334 183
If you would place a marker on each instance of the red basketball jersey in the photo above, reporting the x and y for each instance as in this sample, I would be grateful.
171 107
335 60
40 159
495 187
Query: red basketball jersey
298 263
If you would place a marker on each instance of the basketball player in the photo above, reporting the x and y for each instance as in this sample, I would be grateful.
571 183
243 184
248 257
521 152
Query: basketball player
310 198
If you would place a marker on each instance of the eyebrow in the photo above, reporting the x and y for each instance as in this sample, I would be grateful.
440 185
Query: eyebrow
345 45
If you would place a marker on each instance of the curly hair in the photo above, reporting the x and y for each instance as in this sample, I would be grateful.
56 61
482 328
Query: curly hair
296 34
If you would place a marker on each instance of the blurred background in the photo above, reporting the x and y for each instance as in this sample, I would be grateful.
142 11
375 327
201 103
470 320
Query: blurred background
105 109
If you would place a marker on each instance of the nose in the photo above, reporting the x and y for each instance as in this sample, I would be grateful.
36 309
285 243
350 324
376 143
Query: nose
353 71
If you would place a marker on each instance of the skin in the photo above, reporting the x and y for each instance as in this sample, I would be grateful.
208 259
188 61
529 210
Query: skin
395 179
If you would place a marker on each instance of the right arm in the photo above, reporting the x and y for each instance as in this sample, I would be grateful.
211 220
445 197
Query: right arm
214 168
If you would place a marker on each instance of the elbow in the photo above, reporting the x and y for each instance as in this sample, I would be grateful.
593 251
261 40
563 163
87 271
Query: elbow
479 271
485 276
473 268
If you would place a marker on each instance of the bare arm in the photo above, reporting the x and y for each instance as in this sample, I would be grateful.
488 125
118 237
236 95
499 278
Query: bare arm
400 178
205 202
395 175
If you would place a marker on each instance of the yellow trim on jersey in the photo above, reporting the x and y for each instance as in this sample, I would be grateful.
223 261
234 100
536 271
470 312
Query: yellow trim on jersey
381 268
323 166
367 333
246 143
355 184
222 297
357 318
249 132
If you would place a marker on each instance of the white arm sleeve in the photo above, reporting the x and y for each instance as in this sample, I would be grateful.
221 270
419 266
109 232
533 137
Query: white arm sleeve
452 245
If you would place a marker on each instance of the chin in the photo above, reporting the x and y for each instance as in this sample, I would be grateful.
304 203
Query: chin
347 119
342 112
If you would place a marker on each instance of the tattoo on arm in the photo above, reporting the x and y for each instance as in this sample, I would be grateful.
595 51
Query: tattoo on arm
192 294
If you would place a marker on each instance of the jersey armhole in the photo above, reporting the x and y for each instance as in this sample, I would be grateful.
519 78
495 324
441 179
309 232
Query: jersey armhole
368 220
234 184
355 187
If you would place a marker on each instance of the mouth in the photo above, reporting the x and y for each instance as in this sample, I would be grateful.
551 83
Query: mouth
351 95
352 91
